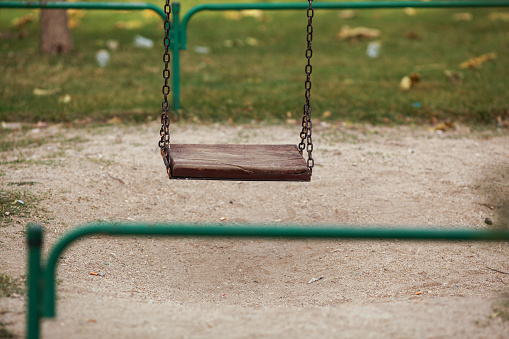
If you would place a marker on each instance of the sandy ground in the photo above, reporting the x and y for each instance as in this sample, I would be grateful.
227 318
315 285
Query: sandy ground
249 288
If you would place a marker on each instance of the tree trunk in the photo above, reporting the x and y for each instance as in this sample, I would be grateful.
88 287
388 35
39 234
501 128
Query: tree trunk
55 34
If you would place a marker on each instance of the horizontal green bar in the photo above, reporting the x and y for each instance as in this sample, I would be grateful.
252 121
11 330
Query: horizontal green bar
84 5
259 231
333 5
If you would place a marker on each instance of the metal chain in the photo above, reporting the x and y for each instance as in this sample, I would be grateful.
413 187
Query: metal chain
164 143
305 135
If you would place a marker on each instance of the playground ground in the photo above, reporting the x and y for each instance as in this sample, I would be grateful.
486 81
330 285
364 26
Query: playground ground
248 288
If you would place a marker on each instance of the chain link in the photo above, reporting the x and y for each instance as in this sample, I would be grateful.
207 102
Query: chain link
305 135
164 143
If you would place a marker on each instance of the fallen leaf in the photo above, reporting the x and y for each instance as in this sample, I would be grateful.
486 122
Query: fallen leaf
410 11
445 126
20 23
114 121
326 114
44 92
65 99
252 41
409 81
112 44
74 16
405 84
133 24
412 35
478 61
76 13
504 16
11 125
253 13
72 23
463 16
347 14
348 33
453 76
41 124
149 14
237 15
501 122
233 15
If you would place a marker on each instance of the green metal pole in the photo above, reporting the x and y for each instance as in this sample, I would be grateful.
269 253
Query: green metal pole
333 5
176 35
34 240
258 231
84 5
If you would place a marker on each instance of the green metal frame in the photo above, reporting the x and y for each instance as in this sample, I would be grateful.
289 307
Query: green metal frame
42 276
178 32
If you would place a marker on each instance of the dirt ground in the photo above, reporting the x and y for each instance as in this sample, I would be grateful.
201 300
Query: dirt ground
250 288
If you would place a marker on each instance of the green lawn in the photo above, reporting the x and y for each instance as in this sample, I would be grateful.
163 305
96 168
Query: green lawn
255 68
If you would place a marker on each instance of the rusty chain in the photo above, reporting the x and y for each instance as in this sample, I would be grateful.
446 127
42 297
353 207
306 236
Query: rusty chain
305 135
164 143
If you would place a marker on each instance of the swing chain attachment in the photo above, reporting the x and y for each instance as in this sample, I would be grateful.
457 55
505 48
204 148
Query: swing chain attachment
164 143
305 135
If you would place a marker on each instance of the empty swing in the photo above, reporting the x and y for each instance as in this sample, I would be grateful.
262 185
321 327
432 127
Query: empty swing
234 161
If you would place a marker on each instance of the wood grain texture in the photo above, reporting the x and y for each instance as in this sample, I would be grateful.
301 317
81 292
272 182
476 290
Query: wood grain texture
238 162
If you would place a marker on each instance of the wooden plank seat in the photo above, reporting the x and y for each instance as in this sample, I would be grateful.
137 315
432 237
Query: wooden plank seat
238 162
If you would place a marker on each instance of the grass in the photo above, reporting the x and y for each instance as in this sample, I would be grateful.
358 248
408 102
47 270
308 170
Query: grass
5 333
9 286
15 204
255 69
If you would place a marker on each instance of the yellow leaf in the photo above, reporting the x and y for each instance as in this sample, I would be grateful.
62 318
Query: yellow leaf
409 81
114 121
463 16
149 14
44 92
233 15
504 16
347 14
357 33
478 61
410 11
20 23
133 24
253 13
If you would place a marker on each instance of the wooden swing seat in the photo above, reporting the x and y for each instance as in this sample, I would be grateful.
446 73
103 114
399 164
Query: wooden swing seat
238 162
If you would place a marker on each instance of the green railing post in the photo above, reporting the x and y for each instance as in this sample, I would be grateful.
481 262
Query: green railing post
176 45
34 286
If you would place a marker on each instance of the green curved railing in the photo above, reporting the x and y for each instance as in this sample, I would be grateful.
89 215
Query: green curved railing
42 276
